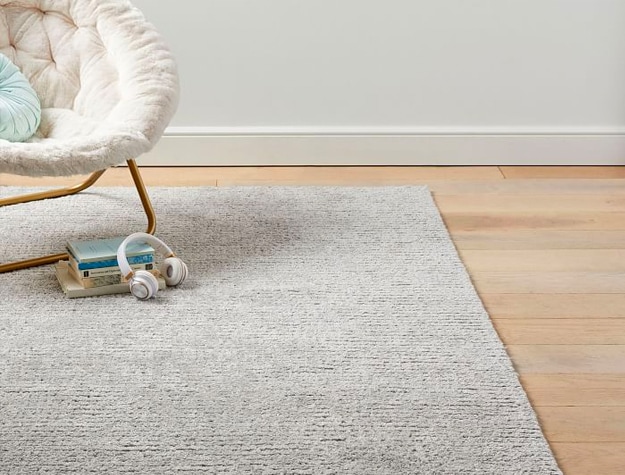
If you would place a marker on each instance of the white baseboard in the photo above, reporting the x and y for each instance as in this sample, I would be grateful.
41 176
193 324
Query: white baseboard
192 146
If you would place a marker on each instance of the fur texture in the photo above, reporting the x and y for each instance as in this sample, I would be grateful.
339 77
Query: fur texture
107 83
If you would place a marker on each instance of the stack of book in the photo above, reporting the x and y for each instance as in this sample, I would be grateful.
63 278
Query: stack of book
92 268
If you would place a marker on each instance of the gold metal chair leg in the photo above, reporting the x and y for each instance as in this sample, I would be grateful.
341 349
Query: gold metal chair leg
44 195
54 258
143 195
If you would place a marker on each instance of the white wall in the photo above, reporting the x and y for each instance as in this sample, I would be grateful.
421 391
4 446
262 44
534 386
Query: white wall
396 81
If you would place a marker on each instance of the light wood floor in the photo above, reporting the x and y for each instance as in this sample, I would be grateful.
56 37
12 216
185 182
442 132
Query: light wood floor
545 247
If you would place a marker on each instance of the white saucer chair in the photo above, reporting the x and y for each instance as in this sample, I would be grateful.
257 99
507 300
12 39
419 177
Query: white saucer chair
108 87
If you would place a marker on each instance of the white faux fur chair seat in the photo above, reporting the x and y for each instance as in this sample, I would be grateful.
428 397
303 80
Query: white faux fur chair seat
106 81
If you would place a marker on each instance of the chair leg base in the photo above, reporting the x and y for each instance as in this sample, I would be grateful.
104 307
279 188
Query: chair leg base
54 258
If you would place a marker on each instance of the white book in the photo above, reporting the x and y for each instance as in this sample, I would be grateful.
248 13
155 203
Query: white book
99 281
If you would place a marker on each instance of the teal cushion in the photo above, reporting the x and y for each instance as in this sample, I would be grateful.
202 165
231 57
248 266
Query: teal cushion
20 109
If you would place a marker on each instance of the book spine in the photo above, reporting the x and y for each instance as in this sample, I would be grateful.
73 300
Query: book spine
145 259
104 271
93 282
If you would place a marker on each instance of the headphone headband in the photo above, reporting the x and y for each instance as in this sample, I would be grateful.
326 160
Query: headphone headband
153 241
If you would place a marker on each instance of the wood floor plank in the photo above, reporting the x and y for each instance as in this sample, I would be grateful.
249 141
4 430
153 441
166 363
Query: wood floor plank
582 187
120 176
590 458
563 172
525 220
583 424
208 176
447 180
561 331
553 260
568 359
349 176
536 239
510 203
585 390
583 306
549 282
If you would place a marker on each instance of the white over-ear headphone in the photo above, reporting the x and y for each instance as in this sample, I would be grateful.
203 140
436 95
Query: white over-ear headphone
143 284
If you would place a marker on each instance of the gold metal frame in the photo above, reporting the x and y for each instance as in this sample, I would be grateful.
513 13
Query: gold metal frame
52 259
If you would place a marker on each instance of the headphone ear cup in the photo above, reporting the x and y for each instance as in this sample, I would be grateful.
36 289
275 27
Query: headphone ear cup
174 271
143 285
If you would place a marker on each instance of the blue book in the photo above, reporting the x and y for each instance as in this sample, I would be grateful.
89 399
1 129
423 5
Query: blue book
145 259
103 252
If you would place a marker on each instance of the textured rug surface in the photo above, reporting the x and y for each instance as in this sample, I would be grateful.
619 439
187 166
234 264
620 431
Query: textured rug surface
321 330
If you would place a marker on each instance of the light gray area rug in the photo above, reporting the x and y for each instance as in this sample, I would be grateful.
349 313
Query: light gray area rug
322 330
